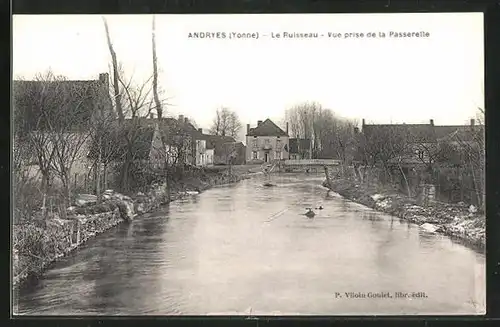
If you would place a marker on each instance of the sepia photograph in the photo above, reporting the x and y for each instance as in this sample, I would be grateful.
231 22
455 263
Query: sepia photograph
248 164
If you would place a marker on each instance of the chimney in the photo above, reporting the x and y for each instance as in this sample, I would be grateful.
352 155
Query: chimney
200 130
432 122
104 80
248 129
363 122
186 120
259 122
286 128
472 122
181 118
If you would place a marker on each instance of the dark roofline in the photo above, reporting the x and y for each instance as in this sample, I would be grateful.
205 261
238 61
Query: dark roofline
280 131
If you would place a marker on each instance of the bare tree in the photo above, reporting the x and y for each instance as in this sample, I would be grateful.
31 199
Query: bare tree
471 146
159 107
116 74
383 146
225 123
104 147
138 104
57 128
342 141
234 125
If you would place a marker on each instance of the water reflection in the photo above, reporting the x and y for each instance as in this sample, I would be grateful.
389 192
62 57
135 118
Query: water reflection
246 246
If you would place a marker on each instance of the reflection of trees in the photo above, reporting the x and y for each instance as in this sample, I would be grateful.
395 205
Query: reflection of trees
384 260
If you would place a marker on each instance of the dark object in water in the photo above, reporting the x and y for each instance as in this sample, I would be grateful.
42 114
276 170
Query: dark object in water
269 184
309 213
319 208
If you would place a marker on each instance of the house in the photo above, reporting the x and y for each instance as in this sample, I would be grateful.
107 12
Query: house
300 148
185 143
225 149
266 142
53 112
415 143
234 153
181 144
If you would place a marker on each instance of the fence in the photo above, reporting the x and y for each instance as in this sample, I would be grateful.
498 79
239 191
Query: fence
312 162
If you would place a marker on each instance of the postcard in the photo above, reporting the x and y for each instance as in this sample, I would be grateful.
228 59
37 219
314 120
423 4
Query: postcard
306 164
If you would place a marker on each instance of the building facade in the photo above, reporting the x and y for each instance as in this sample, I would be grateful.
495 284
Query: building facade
266 142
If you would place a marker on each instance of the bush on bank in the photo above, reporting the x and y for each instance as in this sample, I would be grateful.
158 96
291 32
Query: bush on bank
455 220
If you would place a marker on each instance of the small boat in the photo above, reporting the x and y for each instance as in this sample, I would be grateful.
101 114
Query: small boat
268 185
319 208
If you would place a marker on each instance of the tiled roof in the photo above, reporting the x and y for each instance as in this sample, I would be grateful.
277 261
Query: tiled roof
459 132
67 105
141 131
411 132
217 141
267 128
422 132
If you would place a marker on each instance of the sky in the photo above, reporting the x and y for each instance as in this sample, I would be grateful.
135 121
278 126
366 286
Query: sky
383 80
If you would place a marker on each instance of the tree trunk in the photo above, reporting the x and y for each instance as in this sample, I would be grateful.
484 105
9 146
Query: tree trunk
327 175
478 192
98 174
159 108
125 174
406 180
67 194
45 187
116 77
105 176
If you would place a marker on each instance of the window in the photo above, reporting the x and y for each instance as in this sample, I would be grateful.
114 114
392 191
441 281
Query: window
267 141
278 144
254 143
278 155
254 154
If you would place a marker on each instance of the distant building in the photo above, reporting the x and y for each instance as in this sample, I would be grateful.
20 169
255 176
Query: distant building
225 150
419 140
300 148
61 106
266 142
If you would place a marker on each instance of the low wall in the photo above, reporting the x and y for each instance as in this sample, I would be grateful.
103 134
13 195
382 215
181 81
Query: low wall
458 221
37 245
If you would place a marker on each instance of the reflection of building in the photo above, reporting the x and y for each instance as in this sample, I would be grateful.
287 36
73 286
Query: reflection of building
266 142
300 148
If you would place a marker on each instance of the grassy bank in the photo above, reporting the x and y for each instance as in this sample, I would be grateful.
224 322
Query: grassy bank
454 220
39 243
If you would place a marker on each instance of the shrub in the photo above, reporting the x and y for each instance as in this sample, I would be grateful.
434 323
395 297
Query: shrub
101 208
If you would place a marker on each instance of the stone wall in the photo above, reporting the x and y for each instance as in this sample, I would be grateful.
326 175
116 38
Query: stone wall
36 245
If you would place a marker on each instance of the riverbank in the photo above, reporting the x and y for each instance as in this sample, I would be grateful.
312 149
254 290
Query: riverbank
457 221
38 244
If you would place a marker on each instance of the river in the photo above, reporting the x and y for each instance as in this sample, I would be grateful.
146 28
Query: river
248 249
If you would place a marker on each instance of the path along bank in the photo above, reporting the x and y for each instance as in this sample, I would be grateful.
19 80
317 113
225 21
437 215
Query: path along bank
41 242
459 221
